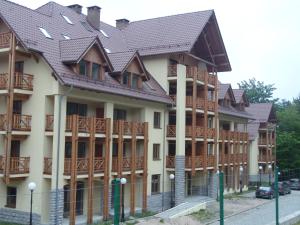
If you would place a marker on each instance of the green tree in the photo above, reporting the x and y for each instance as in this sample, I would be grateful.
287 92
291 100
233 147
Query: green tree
258 91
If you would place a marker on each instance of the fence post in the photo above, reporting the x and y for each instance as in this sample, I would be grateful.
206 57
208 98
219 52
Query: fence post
116 186
276 196
221 184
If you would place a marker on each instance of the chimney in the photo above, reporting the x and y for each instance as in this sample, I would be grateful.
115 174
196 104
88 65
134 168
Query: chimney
77 8
93 16
122 23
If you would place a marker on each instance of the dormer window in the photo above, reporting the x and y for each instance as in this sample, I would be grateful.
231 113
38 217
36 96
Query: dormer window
125 79
132 80
83 68
135 81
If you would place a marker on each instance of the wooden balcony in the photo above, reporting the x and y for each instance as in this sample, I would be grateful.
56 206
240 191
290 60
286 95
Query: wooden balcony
171 131
262 158
262 141
18 165
211 79
211 106
233 135
22 81
127 127
83 124
211 133
82 166
127 163
199 161
172 71
5 40
19 122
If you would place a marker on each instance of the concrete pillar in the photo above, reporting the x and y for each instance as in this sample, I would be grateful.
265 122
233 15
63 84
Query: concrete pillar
56 198
180 135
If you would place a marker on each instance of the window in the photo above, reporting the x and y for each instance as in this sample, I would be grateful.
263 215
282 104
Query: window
95 71
156 151
19 67
67 19
104 33
11 197
83 68
119 114
66 37
125 78
155 184
135 81
76 109
157 120
47 35
17 107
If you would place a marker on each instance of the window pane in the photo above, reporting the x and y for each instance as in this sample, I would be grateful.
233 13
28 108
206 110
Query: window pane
135 81
156 151
83 68
125 79
95 71
156 119
11 197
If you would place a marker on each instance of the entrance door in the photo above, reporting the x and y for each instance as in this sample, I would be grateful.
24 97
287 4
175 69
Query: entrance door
79 199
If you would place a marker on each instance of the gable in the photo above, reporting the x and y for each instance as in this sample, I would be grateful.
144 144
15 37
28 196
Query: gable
3 27
94 55
135 67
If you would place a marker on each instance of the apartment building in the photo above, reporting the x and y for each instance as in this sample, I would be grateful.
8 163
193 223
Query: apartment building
262 133
233 137
83 103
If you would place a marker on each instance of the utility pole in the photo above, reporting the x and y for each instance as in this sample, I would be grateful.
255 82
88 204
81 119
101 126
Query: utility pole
221 183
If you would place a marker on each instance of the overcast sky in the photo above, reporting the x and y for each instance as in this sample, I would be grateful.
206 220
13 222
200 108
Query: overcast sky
262 37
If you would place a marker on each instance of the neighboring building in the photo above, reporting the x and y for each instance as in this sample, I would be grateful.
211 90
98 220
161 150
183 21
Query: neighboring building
233 137
262 133
83 102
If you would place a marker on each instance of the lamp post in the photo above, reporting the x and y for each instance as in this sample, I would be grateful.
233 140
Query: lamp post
218 172
270 169
31 188
241 180
123 182
260 170
172 177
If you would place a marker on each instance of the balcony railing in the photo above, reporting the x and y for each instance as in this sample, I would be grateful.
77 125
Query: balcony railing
83 124
127 163
172 70
19 165
211 106
211 159
211 133
47 165
262 158
21 81
21 122
233 135
211 79
82 165
199 132
127 127
3 122
198 162
5 40
262 141
170 161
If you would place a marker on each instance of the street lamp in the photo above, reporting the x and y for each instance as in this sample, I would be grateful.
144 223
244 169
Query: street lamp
123 182
260 170
172 177
241 181
270 169
31 188
218 172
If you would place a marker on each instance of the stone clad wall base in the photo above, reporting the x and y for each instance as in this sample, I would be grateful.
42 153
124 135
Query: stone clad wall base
155 202
20 217
179 179
213 182
56 218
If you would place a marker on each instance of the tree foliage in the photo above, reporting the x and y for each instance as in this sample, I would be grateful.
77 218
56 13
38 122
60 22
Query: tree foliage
288 134
258 91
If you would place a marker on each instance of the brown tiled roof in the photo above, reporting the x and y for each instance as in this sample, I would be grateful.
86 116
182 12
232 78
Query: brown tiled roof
260 111
120 59
169 34
234 112
223 89
50 18
240 94
252 129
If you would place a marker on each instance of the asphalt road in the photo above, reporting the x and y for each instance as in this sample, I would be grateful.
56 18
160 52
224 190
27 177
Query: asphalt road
265 214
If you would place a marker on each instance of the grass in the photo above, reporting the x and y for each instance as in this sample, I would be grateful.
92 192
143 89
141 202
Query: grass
108 222
144 214
297 223
203 215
